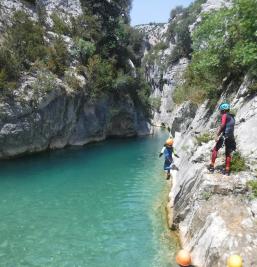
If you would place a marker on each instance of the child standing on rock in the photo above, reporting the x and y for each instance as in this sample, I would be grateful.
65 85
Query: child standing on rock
168 150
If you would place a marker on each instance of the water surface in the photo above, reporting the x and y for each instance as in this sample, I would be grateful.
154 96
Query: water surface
99 206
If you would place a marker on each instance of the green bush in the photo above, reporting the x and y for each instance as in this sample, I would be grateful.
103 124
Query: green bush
104 43
175 56
176 11
155 103
25 39
206 195
225 45
253 186
253 88
153 56
143 92
57 57
72 81
3 79
59 24
124 83
45 82
100 76
84 50
9 68
87 27
238 163
135 46
178 30
42 14
195 88
204 138
161 46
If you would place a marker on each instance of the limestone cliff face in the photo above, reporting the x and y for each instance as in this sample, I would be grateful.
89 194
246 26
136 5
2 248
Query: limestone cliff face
8 7
215 214
33 121
164 78
36 119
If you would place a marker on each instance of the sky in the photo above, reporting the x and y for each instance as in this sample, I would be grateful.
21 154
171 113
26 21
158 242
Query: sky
145 11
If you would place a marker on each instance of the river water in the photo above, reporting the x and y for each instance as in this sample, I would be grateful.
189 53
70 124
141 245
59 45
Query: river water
102 205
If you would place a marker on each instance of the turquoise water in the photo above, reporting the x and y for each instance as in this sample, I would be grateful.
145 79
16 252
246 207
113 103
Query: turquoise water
97 206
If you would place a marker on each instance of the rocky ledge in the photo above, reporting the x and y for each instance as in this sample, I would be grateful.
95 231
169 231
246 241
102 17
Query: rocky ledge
216 215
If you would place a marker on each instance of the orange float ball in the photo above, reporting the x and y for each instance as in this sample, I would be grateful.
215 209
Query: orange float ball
183 258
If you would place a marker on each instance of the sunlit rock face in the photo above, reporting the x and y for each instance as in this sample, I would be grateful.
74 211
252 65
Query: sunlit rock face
34 120
215 5
209 6
64 7
8 7
154 33
216 215
70 7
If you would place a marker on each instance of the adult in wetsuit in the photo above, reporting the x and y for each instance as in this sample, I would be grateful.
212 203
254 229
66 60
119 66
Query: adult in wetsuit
225 135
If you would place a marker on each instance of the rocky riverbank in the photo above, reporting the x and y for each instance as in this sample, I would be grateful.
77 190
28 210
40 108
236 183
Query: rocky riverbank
216 215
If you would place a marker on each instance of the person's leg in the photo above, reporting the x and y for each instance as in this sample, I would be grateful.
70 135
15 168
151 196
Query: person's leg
167 168
228 162
230 145
168 175
215 150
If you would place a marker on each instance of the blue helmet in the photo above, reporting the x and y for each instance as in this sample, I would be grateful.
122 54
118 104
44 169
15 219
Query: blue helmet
224 106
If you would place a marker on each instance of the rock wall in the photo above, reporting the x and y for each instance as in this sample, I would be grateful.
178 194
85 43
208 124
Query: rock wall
215 214
164 78
37 118
65 7
161 78
153 33
34 121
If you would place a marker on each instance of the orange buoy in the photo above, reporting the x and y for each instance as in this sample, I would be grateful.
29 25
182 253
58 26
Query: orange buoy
183 258
235 261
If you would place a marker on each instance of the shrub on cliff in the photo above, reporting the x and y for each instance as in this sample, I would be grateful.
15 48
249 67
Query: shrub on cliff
225 45
72 81
60 26
252 185
57 57
100 76
238 163
178 30
44 83
204 138
22 45
25 38
83 50
9 69
155 103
